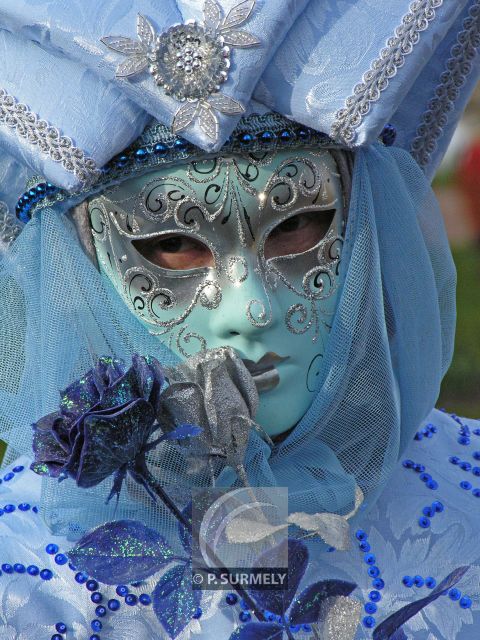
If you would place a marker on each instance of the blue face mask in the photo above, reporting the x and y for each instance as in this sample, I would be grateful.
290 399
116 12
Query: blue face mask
241 251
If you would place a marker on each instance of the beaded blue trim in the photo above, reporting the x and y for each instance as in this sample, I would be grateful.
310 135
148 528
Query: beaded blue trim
158 146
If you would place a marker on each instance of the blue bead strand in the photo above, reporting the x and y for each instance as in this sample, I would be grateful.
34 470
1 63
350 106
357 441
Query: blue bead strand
373 571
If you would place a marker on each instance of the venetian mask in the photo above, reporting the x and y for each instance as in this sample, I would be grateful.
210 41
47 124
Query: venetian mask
238 250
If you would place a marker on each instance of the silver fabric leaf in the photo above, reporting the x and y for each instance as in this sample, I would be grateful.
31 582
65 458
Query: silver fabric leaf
225 104
131 66
145 31
215 391
238 14
124 45
212 14
236 38
339 618
184 116
332 528
208 122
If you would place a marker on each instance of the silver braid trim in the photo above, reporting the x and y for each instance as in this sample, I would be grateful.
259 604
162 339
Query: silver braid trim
47 138
382 69
9 227
453 77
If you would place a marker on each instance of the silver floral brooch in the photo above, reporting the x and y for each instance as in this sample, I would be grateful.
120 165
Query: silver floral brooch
190 61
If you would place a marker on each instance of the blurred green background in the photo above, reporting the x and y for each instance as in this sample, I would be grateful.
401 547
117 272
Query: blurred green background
457 186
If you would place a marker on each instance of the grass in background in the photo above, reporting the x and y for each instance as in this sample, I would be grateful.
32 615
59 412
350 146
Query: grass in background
461 387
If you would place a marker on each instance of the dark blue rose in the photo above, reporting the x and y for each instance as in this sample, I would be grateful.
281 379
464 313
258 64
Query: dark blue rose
104 422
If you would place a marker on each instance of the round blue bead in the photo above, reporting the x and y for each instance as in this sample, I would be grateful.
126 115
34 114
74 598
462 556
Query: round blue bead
33 570
8 476
476 471
303 134
160 149
476 432
465 602
408 581
180 144
307 628
46 574
466 485
424 522
430 582
9 508
92 585
56 636
408 464
35 509
18 469
388 135
94 636
463 440
364 546
24 506
361 535
121 590
81 577
466 466
375 596
100 611
438 506
96 597
266 136
418 436
141 154
113 604
245 138
373 572
476 455
271 617
198 613
61 558
419 581
369 558
19 568
476 493
121 161
370 607
285 135
378 583
294 628
52 549
61 627
131 599
7 568
425 477
96 625
368 622
454 594
428 511
231 598
245 616
432 484
145 599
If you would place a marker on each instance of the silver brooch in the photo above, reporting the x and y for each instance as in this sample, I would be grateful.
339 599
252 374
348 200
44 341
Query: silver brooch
189 61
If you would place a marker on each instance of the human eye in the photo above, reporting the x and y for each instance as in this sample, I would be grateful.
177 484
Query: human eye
298 233
175 251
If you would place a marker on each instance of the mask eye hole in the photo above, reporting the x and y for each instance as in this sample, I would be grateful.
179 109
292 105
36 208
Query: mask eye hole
298 234
175 251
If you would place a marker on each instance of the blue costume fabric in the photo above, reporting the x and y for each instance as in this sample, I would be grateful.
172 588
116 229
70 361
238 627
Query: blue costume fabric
387 82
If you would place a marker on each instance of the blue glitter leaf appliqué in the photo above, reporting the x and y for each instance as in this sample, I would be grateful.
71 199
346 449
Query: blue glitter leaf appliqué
386 630
121 552
174 600
278 600
306 607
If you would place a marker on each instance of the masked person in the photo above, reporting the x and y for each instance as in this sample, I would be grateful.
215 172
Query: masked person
232 280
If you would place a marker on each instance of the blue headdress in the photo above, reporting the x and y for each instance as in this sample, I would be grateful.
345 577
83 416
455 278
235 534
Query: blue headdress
341 76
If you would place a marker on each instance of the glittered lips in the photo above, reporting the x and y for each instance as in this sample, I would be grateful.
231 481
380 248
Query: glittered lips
264 372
